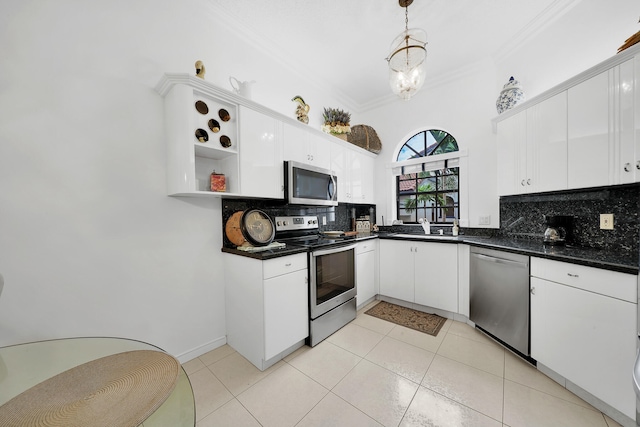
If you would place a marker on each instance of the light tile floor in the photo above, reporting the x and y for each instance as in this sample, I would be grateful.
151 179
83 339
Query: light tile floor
375 373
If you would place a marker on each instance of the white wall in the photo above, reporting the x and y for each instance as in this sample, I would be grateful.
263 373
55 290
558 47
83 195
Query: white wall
463 108
90 245
89 242
585 34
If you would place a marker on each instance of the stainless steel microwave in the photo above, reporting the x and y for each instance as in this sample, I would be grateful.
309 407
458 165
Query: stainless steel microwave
310 185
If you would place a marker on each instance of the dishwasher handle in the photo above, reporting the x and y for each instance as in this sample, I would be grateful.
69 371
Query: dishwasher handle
500 260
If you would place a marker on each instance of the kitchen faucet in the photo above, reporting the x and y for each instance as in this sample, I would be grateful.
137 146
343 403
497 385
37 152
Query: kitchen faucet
426 226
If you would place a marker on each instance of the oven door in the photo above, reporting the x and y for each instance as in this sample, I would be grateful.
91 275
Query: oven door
332 275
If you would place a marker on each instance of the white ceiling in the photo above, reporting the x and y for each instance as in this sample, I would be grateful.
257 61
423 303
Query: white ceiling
343 44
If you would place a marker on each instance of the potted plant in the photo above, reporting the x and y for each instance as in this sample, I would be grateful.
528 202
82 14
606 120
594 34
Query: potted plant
336 122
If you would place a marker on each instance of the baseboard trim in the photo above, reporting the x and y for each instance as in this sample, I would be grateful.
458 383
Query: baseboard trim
199 351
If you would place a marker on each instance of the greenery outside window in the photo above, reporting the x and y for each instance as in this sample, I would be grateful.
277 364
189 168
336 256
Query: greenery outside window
430 194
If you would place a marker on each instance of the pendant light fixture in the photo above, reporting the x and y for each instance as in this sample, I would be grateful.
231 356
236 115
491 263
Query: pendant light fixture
407 57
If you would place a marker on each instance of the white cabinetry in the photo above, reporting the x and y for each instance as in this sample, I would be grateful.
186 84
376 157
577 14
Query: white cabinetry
303 146
194 150
366 271
532 148
266 306
355 174
590 144
594 136
424 273
583 327
603 122
261 160
397 275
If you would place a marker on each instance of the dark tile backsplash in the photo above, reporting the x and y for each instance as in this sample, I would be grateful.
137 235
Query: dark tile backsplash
338 217
523 216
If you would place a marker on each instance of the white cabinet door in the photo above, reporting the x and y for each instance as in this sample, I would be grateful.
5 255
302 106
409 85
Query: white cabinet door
365 275
512 139
286 314
588 338
304 147
546 161
589 144
397 269
319 147
339 165
366 176
532 149
436 275
261 162
628 124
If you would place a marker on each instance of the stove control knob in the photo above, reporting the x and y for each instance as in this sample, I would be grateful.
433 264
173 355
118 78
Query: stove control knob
285 223
312 221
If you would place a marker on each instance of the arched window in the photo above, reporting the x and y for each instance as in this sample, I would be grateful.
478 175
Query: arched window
431 194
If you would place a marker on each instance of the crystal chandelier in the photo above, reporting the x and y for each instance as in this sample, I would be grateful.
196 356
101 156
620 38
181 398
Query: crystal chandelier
406 60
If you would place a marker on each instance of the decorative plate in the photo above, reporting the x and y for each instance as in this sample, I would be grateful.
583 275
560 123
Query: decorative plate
232 229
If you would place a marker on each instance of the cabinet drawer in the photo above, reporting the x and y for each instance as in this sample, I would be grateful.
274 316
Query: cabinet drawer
366 246
609 283
284 265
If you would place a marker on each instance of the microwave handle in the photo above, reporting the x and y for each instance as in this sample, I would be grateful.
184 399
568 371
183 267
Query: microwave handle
333 196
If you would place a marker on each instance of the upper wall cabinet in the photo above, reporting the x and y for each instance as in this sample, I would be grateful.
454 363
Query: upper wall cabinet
302 146
261 161
201 137
582 133
532 148
210 129
602 146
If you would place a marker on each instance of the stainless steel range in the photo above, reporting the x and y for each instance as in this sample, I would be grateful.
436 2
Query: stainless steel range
332 274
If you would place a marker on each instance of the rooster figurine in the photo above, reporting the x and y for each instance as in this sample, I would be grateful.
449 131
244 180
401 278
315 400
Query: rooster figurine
200 70
302 109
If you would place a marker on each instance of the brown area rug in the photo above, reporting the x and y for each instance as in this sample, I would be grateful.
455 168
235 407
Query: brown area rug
414 319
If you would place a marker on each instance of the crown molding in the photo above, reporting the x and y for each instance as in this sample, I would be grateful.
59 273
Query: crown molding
547 17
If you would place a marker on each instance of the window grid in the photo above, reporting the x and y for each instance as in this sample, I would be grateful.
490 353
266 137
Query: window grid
432 194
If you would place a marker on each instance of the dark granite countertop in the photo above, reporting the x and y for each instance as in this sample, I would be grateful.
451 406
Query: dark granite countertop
591 257
288 250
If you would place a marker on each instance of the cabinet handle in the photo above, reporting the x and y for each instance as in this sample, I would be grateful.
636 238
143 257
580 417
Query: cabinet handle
572 275
533 290
627 167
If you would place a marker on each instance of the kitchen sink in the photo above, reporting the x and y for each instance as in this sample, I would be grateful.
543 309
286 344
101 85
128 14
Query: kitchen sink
426 236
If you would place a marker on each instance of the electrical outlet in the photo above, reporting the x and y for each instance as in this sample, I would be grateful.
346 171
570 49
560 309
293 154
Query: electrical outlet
324 220
484 220
606 221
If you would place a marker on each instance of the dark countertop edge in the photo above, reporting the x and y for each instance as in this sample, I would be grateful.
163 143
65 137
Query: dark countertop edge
488 243
287 250
622 268
468 240
265 255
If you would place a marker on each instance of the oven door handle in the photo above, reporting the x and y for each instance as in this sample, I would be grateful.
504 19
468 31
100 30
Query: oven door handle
636 375
333 250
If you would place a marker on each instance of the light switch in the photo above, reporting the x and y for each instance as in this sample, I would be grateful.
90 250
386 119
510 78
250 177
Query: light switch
606 221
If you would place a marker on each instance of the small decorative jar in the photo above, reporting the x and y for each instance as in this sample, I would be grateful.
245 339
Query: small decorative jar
218 182
510 96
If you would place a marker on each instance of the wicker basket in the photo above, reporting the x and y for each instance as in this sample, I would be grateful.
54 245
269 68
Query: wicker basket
365 137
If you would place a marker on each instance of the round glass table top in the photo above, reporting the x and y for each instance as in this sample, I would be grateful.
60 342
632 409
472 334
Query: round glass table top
26 365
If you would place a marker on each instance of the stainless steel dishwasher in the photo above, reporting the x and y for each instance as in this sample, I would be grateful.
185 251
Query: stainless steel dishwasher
499 296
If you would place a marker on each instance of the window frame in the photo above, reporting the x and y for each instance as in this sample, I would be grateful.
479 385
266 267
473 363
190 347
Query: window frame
432 164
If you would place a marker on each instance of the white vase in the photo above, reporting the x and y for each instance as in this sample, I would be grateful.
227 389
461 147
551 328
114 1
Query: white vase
510 96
